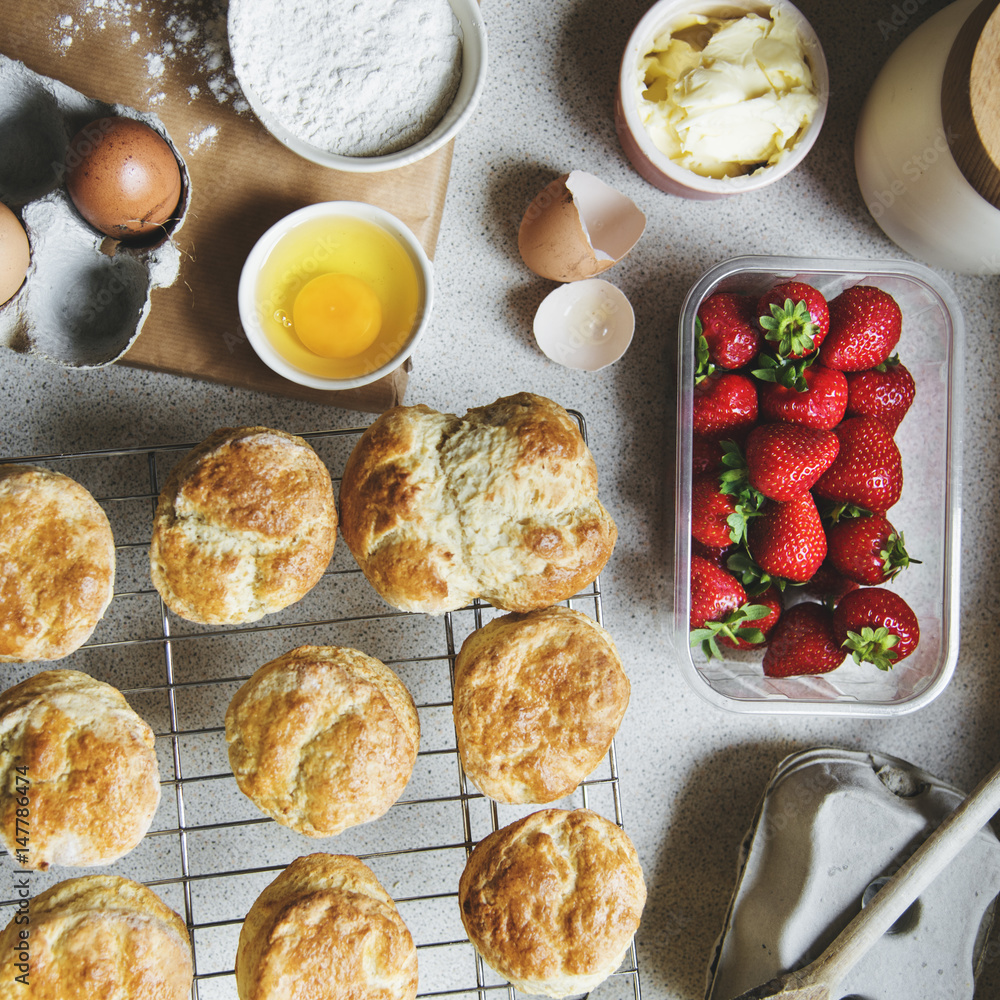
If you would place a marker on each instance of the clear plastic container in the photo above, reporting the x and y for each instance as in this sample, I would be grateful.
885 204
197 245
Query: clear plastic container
928 513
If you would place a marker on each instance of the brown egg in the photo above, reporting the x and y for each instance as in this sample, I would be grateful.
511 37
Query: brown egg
123 177
577 227
14 253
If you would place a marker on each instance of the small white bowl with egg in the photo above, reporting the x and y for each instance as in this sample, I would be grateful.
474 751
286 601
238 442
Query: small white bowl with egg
377 86
716 100
336 295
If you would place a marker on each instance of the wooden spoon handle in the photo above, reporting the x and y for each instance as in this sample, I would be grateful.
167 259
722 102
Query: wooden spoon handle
895 897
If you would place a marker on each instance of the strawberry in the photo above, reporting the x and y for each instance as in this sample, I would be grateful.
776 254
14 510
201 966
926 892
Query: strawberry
725 405
803 642
714 555
706 455
719 608
828 584
710 512
867 470
865 324
885 392
714 592
867 549
727 322
794 317
784 460
756 632
787 539
876 626
821 404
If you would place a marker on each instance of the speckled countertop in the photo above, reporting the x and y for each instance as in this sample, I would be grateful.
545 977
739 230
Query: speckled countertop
691 774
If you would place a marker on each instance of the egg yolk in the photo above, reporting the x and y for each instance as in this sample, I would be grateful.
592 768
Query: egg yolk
336 315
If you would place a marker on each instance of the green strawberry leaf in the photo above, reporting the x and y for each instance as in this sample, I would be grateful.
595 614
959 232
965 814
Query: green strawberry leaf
873 646
732 628
702 355
783 371
790 328
895 557
754 579
831 511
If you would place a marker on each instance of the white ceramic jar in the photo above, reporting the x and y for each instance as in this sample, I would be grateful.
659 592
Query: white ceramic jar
903 156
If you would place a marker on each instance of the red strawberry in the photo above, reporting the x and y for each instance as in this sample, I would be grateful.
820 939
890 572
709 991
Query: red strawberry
885 392
787 539
714 555
794 317
865 324
718 607
803 642
867 470
725 405
784 460
822 404
747 635
706 456
876 626
714 593
828 584
867 549
710 512
727 321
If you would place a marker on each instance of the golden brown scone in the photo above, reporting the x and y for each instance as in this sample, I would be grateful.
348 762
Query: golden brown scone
552 901
245 526
538 699
322 738
97 937
57 564
500 504
86 763
325 929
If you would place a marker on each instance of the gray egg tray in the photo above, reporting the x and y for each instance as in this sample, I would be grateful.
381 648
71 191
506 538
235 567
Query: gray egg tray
86 295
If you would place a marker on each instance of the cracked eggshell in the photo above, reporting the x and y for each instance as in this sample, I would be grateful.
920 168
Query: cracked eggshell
85 297
577 227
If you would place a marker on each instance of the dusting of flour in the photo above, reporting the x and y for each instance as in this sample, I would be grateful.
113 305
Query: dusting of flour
373 78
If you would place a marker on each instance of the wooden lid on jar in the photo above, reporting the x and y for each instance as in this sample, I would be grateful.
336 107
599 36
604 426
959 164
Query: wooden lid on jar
970 100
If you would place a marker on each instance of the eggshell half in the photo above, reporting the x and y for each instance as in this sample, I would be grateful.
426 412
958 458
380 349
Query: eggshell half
577 227
14 254
586 325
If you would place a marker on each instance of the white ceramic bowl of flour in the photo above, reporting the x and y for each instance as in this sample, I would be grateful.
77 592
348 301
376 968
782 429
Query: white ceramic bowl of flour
377 85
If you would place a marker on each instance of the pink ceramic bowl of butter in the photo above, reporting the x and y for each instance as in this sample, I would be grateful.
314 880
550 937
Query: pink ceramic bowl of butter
655 165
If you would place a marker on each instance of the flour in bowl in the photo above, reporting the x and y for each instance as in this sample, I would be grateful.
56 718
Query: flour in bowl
355 77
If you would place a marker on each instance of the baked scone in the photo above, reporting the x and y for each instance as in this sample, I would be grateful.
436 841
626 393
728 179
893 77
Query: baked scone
325 929
57 564
322 738
552 901
499 504
87 764
245 526
538 699
96 938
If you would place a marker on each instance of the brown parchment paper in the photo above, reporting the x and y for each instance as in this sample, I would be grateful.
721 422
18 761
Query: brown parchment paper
242 179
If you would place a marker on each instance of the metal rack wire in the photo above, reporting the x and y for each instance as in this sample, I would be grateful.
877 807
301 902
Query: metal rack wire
209 852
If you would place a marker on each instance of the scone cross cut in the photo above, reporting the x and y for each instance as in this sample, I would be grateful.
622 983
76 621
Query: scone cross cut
244 526
500 504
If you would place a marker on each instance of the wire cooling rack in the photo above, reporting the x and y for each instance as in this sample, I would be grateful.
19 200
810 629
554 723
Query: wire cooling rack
209 852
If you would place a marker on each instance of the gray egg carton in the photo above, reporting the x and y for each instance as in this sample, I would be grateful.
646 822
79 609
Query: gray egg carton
831 826
86 295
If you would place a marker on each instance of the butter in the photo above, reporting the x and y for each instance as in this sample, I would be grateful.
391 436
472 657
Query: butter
725 97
